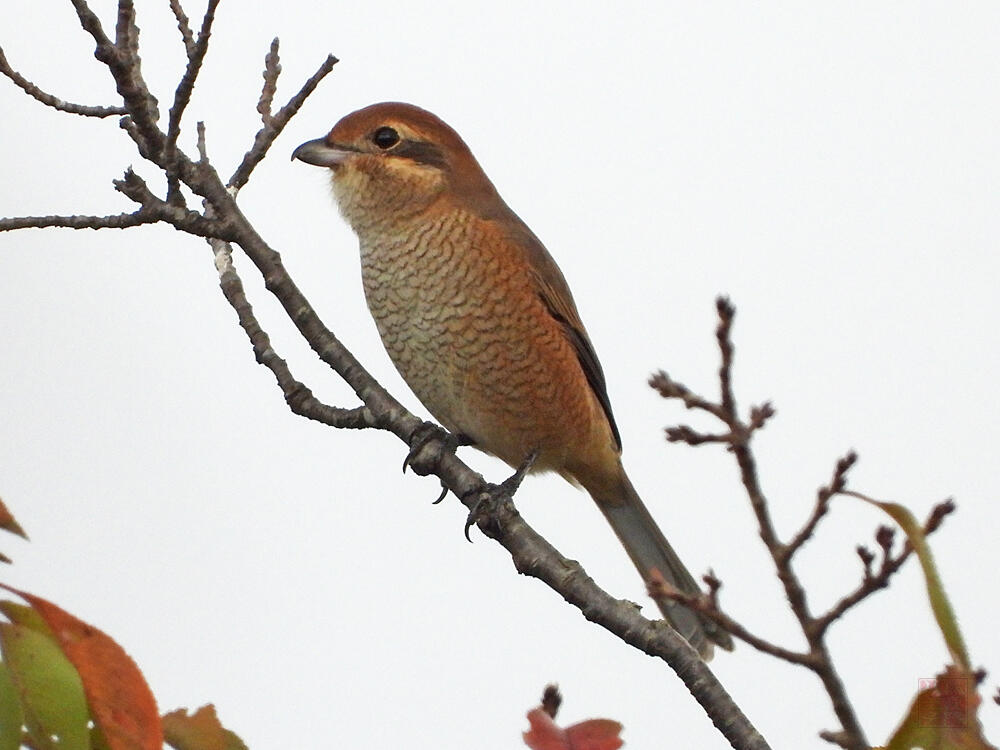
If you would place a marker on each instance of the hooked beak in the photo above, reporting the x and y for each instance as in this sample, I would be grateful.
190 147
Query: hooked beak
321 154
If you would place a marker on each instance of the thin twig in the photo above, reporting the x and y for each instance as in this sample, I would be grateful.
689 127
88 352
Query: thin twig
191 222
50 100
726 313
873 581
707 606
298 396
670 388
116 221
266 135
124 66
183 25
272 69
823 495
182 97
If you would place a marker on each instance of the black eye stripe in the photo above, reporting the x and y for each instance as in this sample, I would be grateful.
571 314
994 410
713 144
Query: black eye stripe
387 138
422 153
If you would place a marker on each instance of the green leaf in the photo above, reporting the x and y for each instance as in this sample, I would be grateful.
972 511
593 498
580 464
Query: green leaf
21 614
52 698
940 605
11 718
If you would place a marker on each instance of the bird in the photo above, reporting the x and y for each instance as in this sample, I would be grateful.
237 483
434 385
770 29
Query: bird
480 322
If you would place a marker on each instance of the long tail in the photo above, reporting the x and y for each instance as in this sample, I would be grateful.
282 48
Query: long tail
650 551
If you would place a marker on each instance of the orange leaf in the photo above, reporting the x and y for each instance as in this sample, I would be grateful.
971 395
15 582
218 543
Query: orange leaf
119 698
593 734
199 731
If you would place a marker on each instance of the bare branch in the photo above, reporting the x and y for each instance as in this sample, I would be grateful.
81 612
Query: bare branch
290 109
53 101
124 66
183 25
726 313
759 416
685 434
152 210
738 440
192 222
298 396
126 32
823 495
670 388
938 513
534 556
182 97
272 69
92 25
274 125
709 606
202 145
889 566
116 221
867 559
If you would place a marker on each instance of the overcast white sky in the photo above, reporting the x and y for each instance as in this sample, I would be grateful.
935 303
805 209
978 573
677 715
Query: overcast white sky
834 169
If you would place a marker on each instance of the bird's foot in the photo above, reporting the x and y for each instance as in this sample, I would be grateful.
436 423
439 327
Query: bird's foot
512 483
446 441
491 495
429 432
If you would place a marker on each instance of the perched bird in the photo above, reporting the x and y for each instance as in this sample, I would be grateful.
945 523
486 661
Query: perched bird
480 322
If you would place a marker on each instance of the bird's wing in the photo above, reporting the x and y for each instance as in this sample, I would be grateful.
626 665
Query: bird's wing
554 292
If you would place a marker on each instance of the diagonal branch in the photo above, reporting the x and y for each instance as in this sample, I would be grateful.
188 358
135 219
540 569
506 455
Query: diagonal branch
298 396
182 95
183 25
124 66
50 100
196 52
890 564
274 124
823 495
272 69
707 606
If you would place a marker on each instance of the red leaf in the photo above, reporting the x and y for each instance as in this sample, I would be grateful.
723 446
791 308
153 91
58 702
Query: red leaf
593 734
119 698
944 715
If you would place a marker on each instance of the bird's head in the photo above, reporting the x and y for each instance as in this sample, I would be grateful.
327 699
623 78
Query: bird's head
392 161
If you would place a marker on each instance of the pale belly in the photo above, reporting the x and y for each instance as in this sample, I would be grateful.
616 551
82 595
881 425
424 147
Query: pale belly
479 350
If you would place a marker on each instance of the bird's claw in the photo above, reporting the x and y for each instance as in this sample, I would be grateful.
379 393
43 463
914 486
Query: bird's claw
443 495
421 436
477 511
428 432
491 494
447 441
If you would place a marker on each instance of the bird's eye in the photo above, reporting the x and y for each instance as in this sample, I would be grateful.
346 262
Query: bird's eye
385 138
